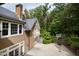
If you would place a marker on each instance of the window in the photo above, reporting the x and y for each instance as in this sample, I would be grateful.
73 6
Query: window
21 50
20 28
14 52
17 52
10 29
11 53
14 28
4 28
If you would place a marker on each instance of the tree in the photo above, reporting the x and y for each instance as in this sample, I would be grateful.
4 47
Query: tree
66 21
27 15
70 22
57 15
41 13
65 18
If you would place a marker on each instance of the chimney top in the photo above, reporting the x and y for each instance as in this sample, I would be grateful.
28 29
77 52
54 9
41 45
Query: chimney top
19 10
18 5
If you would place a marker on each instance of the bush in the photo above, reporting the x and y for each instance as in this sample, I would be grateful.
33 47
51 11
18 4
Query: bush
47 41
73 41
47 38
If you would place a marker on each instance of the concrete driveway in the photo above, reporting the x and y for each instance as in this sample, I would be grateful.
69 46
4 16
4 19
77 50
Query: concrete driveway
49 50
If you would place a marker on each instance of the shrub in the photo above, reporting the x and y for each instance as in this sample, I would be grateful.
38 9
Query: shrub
47 41
47 38
73 41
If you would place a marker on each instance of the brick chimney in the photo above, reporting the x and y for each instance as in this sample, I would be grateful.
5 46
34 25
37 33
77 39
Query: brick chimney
19 10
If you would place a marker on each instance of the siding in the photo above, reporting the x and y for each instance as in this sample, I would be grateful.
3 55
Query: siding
6 42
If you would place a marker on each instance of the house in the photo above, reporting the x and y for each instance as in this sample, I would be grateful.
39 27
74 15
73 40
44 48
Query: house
16 34
32 27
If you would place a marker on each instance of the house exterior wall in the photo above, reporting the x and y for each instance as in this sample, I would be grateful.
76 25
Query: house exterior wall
36 32
7 42
32 40
6 51
27 37
12 40
34 36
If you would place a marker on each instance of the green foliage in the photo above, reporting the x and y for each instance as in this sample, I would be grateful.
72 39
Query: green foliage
47 41
57 15
55 27
66 18
41 13
72 41
47 38
63 18
27 16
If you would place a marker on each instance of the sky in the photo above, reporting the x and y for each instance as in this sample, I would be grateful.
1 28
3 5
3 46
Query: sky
28 6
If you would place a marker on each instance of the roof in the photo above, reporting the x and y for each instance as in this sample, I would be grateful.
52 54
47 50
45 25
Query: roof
29 23
2 3
9 14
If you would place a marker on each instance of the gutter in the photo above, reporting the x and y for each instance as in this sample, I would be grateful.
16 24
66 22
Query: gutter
6 18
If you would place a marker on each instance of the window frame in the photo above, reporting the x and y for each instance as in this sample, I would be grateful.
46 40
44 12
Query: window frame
2 36
20 29
8 49
12 53
9 29
6 29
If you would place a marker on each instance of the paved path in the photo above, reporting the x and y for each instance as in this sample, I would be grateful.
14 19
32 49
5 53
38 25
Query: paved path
49 50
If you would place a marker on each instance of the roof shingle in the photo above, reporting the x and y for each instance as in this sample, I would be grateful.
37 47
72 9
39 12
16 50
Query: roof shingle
9 14
29 23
